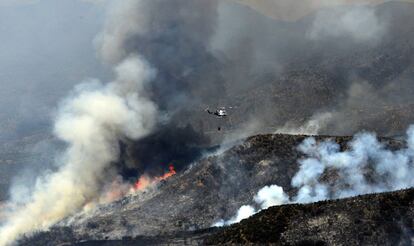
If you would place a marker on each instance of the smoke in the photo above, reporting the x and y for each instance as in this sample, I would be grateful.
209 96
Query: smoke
224 53
168 144
285 74
244 212
385 110
347 117
206 52
102 122
366 165
293 10
359 22
178 43
217 52
268 196
91 123
123 22
46 50
311 127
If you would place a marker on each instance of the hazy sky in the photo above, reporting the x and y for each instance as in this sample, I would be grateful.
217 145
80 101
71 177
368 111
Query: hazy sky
46 47
294 9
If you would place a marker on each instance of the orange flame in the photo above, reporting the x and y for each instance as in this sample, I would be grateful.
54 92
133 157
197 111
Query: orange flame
145 181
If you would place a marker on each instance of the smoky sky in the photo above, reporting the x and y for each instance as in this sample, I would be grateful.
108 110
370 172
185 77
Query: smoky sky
209 54
177 44
46 47
289 71
293 10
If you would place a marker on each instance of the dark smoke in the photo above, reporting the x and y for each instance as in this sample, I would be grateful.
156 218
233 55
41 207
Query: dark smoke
188 80
169 145
178 42
278 72
220 53
326 62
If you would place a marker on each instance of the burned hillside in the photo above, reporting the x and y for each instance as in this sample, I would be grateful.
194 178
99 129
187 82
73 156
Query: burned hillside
213 188
379 219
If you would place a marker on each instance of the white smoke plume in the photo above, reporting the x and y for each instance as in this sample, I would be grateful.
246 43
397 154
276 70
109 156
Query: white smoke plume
365 166
366 157
244 212
266 197
92 123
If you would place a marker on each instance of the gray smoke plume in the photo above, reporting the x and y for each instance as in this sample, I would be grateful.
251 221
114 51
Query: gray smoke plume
176 41
365 104
91 122
289 73
98 119
365 166
312 127
220 53
293 10
359 22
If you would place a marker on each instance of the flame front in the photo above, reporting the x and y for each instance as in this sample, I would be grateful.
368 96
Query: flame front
145 181
118 189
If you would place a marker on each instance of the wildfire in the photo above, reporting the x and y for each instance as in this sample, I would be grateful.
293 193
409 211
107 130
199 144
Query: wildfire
145 181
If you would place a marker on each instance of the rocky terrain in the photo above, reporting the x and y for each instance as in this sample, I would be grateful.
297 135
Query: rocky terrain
213 188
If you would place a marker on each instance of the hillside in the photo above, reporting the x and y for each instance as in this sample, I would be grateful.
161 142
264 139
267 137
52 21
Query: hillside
378 219
213 188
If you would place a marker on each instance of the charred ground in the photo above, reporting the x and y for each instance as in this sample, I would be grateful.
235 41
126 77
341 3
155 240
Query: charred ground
378 219
214 188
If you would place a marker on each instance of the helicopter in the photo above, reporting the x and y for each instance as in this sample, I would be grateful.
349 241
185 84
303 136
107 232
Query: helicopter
220 112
